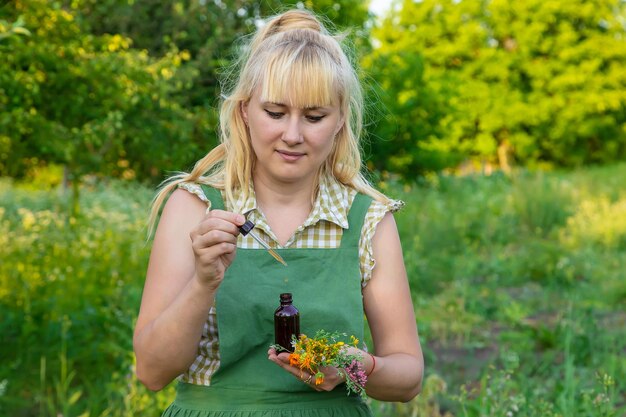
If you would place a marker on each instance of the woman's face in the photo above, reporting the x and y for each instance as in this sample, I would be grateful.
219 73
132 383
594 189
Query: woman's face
290 143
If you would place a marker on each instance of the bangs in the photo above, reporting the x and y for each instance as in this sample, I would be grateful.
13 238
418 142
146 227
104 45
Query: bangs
305 78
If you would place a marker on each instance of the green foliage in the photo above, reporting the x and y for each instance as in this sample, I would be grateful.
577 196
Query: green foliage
87 102
208 34
130 89
69 293
534 82
511 319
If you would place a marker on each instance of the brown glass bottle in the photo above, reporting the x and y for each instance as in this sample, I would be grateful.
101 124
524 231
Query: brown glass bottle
286 322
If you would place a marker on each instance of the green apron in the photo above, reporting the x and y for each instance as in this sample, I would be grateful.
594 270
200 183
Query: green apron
326 288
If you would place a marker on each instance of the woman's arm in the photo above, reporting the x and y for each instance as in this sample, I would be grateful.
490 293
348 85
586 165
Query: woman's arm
399 368
190 254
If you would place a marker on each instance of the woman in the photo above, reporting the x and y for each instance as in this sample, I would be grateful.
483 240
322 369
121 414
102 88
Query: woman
288 161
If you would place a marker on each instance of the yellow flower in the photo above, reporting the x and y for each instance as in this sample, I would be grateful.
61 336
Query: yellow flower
307 361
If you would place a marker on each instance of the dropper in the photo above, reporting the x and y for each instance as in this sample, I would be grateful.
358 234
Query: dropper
246 229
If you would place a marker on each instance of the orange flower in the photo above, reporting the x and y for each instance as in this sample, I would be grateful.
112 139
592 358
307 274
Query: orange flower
319 378
294 358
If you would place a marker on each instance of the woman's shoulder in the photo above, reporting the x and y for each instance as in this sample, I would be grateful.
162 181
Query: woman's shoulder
376 211
374 216
195 189
211 195
181 211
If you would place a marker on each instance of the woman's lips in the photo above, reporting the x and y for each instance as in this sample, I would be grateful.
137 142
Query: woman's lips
290 156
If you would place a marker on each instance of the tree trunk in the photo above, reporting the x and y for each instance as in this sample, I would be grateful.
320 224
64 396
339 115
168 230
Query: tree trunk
504 156
71 179
75 197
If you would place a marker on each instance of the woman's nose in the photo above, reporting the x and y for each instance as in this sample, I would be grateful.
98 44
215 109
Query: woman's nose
293 131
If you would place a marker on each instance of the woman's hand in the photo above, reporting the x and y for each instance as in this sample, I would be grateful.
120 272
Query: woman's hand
332 376
214 243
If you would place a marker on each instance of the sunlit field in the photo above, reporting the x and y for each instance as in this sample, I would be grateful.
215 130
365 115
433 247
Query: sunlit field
518 282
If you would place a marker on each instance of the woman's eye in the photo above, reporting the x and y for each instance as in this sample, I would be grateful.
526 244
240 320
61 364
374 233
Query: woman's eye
274 115
314 118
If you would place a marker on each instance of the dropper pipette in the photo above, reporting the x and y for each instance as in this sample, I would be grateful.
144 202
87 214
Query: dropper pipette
246 229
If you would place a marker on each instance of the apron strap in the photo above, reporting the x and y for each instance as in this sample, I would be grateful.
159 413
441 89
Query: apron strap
356 218
215 197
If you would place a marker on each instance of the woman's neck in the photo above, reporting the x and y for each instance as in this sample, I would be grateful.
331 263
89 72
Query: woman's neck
284 205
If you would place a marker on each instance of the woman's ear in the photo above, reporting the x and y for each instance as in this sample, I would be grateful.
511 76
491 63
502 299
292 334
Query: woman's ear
243 107
340 125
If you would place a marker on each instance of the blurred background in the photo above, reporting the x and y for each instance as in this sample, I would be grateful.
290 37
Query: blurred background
501 123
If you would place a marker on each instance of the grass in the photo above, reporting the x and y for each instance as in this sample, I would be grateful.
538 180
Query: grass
518 284
519 287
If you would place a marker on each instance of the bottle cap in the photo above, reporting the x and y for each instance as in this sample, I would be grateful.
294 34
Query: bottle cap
246 227
286 297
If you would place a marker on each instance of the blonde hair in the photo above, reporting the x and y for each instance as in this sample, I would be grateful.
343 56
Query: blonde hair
291 57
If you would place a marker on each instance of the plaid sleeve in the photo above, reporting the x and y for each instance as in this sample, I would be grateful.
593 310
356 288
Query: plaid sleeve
194 189
375 214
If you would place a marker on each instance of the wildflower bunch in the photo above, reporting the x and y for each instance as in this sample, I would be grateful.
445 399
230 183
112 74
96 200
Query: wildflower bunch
328 350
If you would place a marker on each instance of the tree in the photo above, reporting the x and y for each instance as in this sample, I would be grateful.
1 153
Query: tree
539 81
210 32
87 102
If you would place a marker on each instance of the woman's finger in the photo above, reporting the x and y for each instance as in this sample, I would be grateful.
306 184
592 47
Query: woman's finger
212 238
222 220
